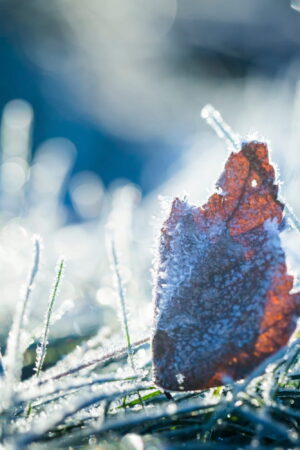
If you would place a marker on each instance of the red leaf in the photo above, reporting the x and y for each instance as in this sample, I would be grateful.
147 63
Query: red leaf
222 296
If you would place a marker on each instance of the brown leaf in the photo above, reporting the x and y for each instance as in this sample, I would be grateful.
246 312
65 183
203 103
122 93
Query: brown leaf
222 295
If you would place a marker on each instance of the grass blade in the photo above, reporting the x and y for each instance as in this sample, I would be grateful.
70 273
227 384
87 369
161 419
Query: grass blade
42 348
13 357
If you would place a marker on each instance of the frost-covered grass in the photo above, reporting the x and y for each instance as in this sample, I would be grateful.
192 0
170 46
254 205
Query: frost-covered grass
72 372
94 397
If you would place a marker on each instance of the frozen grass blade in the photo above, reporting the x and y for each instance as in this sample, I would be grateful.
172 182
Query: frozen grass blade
121 294
292 216
123 310
33 394
223 130
42 348
107 358
13 357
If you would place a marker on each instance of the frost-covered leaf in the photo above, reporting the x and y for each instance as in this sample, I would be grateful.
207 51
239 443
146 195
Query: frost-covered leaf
223 301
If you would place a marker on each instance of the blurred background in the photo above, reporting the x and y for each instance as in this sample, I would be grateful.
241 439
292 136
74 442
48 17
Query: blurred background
101 106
